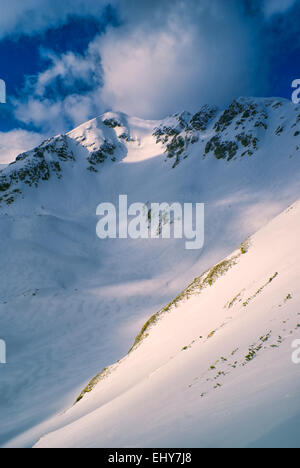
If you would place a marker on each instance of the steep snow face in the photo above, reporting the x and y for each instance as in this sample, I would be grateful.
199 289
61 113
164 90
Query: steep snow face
71 304
213 368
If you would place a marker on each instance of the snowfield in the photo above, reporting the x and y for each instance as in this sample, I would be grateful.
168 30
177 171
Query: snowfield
215 368
71 305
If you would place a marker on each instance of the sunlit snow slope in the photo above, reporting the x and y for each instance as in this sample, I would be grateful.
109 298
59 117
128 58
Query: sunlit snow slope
214 367
71 304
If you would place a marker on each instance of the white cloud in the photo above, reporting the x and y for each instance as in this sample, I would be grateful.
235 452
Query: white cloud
59 116
16 142
54 101
202 54
67 70
166 57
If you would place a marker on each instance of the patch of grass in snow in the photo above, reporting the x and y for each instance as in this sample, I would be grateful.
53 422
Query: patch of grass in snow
219 270
211 334
143 333
95 380
260 290
254 349
234 300
245 246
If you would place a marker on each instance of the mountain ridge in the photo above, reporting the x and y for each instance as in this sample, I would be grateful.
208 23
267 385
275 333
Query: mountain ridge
225 134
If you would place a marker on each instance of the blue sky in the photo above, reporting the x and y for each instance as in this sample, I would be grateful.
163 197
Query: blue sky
21 56
66 62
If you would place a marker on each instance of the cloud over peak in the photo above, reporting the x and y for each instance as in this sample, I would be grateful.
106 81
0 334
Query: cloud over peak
164 56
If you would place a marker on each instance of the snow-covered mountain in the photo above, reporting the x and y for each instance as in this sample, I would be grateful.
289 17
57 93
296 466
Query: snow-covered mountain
71 304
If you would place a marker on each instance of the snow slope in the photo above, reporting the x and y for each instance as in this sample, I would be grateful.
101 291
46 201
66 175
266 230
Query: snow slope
214 368
71 304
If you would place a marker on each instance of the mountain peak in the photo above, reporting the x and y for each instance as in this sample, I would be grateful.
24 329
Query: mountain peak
245 128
